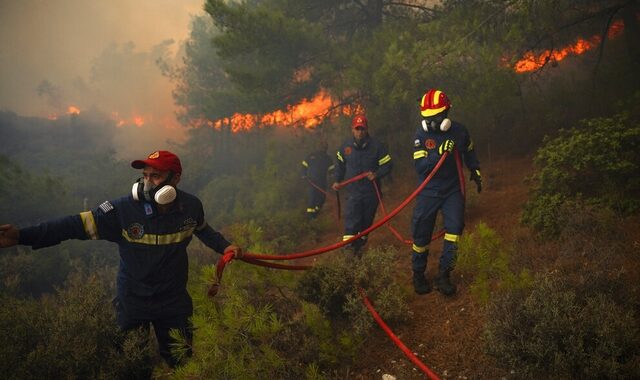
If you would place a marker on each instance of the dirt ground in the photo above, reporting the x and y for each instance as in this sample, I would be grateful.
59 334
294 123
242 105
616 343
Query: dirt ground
445 333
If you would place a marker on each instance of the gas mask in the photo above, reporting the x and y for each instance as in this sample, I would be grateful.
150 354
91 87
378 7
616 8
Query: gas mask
439 122
146 191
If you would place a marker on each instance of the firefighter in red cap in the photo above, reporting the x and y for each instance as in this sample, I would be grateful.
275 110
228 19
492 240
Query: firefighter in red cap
435 135
152 227
360 154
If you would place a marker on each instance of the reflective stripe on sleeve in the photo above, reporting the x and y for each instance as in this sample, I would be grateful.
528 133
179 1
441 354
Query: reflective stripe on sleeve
304 163
340 157
347 237
384 160
89 224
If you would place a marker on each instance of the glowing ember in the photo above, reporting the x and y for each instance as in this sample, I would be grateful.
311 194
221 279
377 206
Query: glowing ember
73 110
532 62
308 114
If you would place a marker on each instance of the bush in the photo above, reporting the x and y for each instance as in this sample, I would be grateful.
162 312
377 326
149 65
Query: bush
334 288
71 335
597 164
481 256
554 332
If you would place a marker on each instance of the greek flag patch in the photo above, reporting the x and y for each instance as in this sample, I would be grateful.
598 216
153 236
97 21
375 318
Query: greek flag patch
106 207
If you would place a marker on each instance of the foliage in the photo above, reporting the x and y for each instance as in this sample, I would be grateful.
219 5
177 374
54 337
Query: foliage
335 288
263 204
383 55
20 190
596 165
69 335
553 332
256 327
482 256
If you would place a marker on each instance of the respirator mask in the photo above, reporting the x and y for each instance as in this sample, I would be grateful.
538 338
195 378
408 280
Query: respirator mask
437 123
146 191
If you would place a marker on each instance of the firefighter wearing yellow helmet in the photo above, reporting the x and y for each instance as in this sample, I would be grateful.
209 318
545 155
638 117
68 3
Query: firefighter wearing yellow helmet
436 135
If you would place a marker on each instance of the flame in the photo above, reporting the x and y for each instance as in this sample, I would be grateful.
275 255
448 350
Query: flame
531 62
73 110
138 121
308 114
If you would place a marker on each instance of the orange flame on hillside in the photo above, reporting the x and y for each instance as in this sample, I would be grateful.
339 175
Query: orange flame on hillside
137 120
532 62
73 110
308 114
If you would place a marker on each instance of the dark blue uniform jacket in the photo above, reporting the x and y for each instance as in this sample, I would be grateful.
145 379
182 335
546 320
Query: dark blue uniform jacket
354 159
153 255
426 156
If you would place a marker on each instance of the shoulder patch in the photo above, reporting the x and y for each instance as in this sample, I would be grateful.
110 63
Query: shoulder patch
106 207
416 143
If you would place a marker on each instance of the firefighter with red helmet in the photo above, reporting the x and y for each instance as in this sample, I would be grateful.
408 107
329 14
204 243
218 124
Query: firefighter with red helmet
360 154
436 135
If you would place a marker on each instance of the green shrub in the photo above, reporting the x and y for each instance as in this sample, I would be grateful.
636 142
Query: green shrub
70 335
481 256
597 164
334 287
554 332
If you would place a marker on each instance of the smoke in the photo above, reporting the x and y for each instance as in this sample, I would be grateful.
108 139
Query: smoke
96 55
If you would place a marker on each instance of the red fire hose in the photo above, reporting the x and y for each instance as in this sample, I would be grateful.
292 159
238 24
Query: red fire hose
395 339
258 259
376 225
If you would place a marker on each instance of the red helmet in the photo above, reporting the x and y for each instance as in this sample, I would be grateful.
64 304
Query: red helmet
433 102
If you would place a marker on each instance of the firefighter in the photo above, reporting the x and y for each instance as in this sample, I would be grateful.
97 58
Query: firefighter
314 169
152 227
357 155
435 135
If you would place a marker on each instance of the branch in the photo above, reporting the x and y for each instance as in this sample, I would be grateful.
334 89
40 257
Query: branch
431 10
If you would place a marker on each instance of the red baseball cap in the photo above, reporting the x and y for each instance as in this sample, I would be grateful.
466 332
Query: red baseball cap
161 160
359 121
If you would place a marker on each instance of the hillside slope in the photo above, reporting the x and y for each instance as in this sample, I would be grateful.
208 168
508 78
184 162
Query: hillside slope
446 332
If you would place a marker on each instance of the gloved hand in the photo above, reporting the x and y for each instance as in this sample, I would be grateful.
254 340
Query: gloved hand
446 146
477 178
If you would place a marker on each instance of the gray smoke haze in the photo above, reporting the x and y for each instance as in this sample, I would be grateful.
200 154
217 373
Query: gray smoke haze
95 55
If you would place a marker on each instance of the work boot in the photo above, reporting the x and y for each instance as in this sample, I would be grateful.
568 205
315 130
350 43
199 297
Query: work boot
443 283
420 283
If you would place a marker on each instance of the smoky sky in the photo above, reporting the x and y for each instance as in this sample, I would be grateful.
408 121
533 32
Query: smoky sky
94 55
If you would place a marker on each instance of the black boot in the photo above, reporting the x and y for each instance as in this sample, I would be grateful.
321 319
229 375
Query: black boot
420 283
443 283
